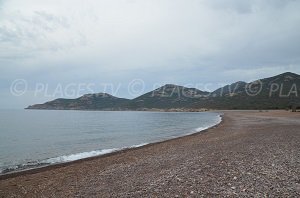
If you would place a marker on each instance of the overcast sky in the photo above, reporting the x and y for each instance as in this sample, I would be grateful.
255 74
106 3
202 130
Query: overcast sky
90 43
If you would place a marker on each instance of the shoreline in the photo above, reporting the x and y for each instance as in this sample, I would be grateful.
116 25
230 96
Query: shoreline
37 169
249 153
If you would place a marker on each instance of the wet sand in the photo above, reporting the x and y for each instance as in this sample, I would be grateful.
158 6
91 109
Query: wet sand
249 154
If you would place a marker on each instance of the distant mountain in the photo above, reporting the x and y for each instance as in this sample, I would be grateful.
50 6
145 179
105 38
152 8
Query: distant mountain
98 101
230 90
277 92
168 96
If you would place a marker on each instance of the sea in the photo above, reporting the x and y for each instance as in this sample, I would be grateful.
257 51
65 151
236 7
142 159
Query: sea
35 138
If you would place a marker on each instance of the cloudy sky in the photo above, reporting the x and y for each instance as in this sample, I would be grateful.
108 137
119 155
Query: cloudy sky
65 48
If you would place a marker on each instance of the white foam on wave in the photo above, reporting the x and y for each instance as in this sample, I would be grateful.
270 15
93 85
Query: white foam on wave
138 145
63 158
216 122
77 156
199 129
83 155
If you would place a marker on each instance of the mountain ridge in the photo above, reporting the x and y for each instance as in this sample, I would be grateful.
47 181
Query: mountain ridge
276 92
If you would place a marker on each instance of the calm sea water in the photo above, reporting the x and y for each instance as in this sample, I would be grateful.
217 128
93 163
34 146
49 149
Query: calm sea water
30 138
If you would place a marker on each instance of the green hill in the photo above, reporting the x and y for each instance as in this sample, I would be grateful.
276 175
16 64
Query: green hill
168 96
277 92
99 101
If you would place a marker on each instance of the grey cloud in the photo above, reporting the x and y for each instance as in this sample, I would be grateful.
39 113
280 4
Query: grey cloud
242 7
32 35
160 41
249 7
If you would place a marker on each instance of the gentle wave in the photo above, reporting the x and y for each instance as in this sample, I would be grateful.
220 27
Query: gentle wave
199 129
83 155
65 158
73 157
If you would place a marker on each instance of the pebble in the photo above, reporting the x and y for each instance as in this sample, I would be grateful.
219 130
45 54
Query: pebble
298 188
216 183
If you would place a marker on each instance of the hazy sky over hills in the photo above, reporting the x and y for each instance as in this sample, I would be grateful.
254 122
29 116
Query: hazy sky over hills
184 42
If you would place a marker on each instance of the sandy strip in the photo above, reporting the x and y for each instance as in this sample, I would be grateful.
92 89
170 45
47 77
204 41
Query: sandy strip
250 153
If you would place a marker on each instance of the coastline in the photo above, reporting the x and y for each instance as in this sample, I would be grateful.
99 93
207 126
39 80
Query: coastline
41 168
248 153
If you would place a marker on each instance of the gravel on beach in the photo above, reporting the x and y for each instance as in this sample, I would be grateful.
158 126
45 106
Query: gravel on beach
250 154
